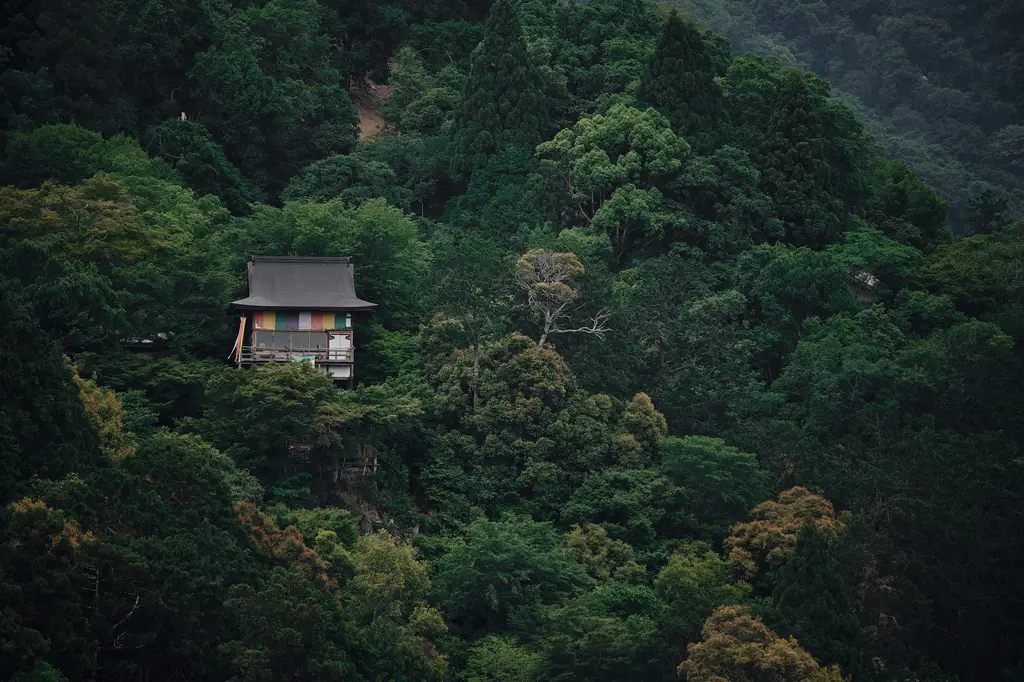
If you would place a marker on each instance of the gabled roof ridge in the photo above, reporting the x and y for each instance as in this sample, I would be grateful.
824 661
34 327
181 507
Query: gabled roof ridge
305 259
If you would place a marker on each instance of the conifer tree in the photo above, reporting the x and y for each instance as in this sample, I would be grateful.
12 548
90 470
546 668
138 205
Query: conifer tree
680 83
503 105
810 161
810 600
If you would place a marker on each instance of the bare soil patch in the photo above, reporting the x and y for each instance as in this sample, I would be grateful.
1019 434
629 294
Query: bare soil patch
368 98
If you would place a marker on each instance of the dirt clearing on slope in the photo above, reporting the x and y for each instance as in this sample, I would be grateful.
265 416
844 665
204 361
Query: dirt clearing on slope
368 98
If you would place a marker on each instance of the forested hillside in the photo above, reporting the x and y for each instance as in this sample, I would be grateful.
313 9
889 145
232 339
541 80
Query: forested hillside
675 374
940 84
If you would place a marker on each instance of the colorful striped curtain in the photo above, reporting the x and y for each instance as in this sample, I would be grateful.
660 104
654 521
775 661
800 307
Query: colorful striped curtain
237 348
263 319
270 320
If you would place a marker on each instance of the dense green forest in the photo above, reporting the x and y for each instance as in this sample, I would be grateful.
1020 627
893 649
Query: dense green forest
677 373
939 84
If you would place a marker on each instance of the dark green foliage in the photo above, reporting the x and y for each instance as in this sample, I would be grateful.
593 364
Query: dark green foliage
67 154
190 150
61 153
421 102
311 521
811 151
368 33
44 429
155 546
810 601
272 91
809 170
42 672
441 42
26 100
88 255
708 246
721 482
693 344
186 474
987 213
173 388
258 415
729 211
636 506
503 105
693 583
938 84
609 634
72 301
905 208
977 274
419 166
503 570
501 658
350 177
851 386
785 287
72 49
680 82
45 609
291 630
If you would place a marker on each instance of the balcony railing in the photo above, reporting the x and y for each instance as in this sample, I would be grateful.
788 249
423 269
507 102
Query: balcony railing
249 355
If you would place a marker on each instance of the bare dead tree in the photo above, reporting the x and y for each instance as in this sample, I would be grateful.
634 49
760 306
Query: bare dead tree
548 278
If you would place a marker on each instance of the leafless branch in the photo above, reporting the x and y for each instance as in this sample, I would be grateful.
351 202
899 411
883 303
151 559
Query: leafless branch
598 326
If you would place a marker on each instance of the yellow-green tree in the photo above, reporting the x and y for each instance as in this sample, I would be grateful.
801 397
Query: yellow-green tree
614 170
605 558
387 596
737 647
770 536
107 413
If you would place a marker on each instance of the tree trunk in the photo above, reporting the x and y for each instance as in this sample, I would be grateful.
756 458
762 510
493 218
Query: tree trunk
549 324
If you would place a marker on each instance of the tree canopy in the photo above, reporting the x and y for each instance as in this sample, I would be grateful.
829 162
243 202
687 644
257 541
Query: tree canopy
696 354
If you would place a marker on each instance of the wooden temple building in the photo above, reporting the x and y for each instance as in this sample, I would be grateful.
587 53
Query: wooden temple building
300 310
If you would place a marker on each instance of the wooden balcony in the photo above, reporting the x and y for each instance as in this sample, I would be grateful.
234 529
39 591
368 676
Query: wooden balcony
249 355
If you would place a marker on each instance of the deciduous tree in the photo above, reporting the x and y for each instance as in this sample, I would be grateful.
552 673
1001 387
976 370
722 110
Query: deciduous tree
740 648
503 569
548 279
765 543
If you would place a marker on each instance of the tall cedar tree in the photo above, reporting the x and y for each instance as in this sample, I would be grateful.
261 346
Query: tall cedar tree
802 165
680 82
811 604
503 105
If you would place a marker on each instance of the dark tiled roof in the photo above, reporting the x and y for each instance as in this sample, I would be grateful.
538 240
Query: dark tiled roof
282 282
